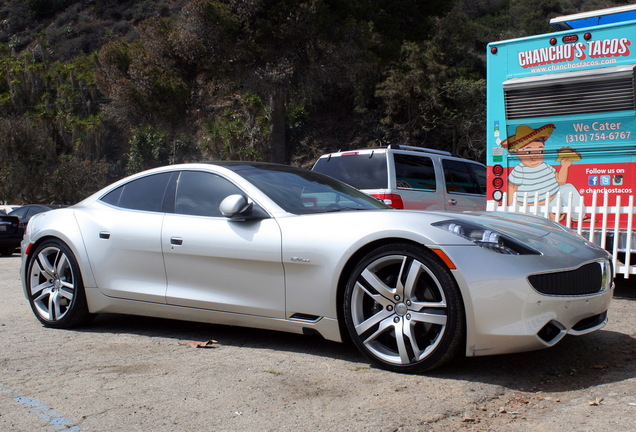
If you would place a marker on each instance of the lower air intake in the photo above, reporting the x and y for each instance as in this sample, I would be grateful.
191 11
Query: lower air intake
552 332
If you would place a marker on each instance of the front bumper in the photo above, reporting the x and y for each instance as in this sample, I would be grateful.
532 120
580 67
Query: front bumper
505 313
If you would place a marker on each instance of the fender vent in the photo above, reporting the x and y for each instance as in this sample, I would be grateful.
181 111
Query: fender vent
304 317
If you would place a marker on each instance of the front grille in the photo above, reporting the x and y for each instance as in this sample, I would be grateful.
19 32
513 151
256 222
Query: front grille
584 280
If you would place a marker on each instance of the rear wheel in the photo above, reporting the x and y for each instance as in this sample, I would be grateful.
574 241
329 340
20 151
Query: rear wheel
55 288
403 310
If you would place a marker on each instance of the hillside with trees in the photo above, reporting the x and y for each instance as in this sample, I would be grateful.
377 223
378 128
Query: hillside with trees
93 90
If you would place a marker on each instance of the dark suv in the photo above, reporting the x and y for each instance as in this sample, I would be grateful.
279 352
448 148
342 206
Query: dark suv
410 177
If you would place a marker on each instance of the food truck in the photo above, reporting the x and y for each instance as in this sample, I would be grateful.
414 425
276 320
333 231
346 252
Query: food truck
561 127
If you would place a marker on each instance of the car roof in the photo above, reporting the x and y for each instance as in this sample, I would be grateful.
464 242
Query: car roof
241 165
401 148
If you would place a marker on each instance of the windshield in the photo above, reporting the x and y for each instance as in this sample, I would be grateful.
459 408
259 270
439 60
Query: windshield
300 191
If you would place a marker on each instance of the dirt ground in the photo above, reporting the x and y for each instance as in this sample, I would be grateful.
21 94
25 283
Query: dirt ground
140 374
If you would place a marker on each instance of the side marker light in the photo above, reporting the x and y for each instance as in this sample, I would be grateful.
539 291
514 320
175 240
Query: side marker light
440 253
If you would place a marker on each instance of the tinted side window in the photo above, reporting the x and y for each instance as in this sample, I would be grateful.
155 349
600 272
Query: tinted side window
479 173
146 193
32 211
362 171
113 196
459 177
200 193
414 172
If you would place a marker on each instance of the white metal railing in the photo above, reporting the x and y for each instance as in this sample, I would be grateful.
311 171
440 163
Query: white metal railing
602 223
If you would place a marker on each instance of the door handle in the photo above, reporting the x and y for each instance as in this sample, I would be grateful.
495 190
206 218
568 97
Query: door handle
452 202
176 241
104 235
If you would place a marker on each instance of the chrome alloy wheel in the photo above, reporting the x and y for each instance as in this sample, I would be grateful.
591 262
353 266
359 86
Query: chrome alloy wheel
52 284
404 311
56 291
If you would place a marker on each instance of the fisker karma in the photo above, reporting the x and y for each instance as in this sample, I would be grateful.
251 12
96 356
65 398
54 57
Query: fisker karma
283 248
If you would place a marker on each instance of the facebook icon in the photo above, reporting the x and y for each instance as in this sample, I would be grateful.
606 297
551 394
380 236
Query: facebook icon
592 180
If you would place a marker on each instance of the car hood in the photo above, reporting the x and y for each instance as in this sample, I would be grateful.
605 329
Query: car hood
537 232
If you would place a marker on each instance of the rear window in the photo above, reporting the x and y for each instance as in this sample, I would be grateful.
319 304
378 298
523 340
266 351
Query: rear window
414 172
146 193
362 171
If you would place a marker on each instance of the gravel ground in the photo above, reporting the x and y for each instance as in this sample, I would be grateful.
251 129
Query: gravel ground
140 374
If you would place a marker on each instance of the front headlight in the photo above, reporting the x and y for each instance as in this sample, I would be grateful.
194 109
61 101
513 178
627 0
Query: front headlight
486 237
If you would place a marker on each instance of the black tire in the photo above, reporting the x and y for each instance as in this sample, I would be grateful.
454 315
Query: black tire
403 309
56 291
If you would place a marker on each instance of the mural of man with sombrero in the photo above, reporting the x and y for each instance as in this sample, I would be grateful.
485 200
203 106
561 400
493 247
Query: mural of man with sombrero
532 174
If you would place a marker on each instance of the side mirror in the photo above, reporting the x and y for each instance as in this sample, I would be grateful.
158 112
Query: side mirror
238 207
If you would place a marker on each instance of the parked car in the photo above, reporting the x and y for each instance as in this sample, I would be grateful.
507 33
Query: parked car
283 248
407 177
10 234
26 212
12 226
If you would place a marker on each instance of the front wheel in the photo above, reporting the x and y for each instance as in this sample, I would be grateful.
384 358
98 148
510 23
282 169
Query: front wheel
55 287
403 310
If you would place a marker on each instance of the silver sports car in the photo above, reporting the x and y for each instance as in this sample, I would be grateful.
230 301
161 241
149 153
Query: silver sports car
283 248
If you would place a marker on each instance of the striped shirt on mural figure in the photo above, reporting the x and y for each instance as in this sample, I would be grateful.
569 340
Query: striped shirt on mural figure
532 174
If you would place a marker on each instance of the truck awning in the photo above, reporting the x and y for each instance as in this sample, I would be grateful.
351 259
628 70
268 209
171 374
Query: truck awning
594 18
